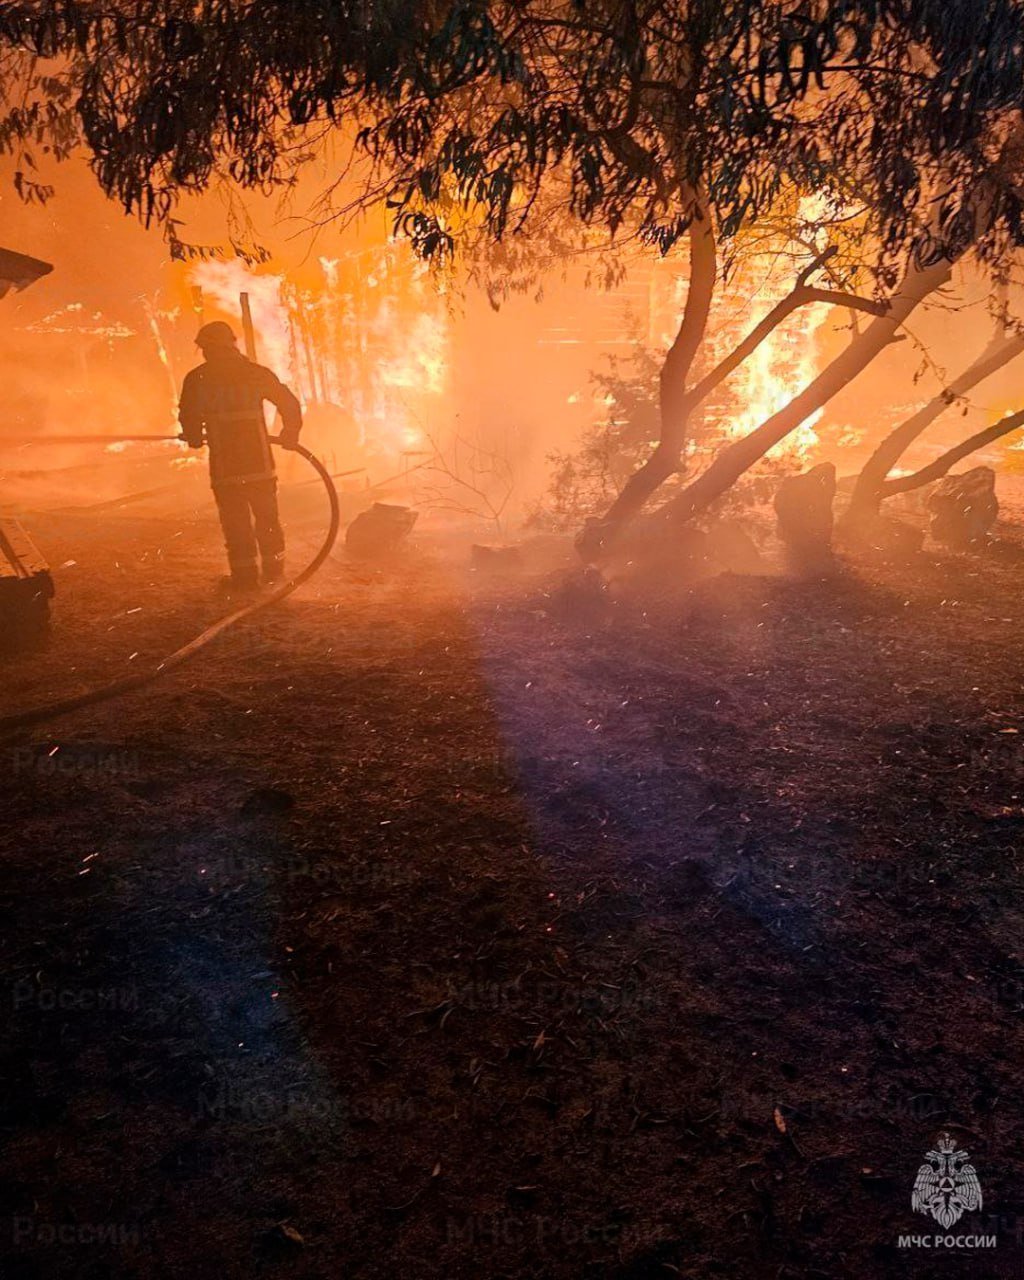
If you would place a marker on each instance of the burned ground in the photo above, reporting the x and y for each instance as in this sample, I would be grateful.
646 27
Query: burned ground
430 926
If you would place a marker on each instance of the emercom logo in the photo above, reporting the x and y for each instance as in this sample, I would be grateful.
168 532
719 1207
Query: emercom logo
946 1186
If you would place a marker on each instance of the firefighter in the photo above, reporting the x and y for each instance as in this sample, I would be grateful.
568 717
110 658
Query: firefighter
222 406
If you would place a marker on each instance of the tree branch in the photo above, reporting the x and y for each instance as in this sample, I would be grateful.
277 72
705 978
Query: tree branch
937 469
800 294
852 301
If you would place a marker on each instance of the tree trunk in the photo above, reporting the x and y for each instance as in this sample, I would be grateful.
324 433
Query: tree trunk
937 469
735 459
871 485
674 400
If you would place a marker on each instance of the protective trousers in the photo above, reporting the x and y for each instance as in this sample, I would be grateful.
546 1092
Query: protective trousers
250 520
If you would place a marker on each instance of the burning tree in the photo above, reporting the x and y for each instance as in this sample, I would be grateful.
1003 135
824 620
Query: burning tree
693 121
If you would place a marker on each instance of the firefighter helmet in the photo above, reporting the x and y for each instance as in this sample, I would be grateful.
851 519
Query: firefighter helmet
217 334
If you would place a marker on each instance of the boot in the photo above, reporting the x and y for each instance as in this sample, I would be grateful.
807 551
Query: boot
236 584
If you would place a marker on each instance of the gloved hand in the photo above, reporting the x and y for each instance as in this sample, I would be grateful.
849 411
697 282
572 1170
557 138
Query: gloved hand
288 439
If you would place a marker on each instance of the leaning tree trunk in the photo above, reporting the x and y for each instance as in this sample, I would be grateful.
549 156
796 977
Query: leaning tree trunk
675 404
871 486
737 458
937 469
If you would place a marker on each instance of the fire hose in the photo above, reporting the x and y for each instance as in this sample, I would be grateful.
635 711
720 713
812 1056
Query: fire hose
48 710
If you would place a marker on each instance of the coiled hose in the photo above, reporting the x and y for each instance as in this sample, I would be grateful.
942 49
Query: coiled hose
49 710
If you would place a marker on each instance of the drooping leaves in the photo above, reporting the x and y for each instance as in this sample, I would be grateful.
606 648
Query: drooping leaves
634 112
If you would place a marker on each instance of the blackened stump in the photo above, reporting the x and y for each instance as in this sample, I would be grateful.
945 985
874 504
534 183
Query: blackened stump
964 508
803 509
378 531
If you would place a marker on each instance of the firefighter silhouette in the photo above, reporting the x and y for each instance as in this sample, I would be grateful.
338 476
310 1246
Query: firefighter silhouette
222 406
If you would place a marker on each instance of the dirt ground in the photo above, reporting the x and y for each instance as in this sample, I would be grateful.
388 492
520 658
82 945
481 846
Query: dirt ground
434 925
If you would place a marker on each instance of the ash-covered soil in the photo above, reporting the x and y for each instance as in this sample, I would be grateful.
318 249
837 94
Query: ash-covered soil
433 925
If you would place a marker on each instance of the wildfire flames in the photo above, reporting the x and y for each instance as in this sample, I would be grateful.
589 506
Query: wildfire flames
784 364
392 379
368 338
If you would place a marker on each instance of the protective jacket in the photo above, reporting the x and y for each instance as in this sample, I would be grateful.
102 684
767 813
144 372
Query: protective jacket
222 402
